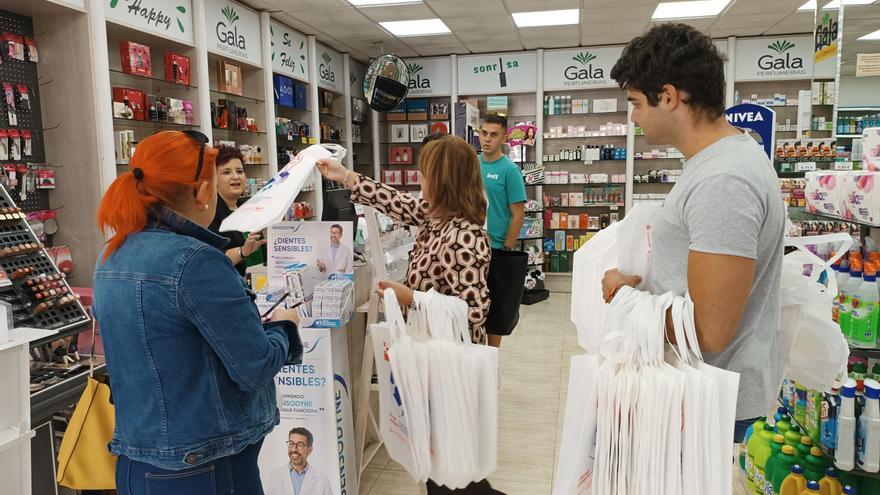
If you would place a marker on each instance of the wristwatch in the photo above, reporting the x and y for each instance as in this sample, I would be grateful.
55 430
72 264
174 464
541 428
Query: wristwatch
241 253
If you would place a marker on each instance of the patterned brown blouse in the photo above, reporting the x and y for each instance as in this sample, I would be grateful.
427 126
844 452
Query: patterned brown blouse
449 256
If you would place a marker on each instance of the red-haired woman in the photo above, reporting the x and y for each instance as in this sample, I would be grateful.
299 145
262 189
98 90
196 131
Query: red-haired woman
191 364
231 184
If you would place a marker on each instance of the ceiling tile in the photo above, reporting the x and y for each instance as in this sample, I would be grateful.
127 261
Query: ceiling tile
562 43
429 51
631 28
476 37
258 5
419 41
607 39
589 4
745 7
463 8
748 22
477 23
302 5
335 17
357 32
398 12
616 14
700 24
725 32
552 32
532 5
490 46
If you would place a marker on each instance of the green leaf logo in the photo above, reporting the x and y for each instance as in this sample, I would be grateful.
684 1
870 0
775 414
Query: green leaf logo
181 9
413 68
584 58
113 3
781 47
326 57
230 14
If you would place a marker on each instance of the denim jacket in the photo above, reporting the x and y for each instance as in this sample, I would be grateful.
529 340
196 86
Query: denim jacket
191 365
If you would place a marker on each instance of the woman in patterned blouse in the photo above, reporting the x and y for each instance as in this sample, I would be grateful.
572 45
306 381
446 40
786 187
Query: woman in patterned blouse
451 254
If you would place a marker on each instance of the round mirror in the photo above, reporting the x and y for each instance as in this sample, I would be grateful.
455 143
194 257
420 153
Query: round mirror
386 83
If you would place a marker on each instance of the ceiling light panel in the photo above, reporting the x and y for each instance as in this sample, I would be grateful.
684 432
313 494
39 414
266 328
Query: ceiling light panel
420 27
547 18
377 3
871 36
689 10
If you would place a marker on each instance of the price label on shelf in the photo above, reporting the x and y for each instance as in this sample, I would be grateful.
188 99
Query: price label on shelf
615 208
313 141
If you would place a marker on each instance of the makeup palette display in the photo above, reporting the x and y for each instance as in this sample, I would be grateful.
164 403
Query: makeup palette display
29 280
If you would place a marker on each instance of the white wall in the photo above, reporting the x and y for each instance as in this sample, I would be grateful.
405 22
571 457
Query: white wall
859 91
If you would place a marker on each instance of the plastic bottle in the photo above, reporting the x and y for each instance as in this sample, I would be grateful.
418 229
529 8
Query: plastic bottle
868 444
844 316
828 422
803 448
844 455
859 373
793 436
794 483
772 467
814 415
812 487
780 412
830 484
762 453
800 407
849 490
751 448
785 459
783 424
814 464
842 279
875 371
865 311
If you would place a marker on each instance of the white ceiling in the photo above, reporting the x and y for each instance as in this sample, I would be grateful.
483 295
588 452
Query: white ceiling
480 26
858 21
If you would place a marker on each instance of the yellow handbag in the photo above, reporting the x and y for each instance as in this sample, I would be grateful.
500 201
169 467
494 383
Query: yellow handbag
84 462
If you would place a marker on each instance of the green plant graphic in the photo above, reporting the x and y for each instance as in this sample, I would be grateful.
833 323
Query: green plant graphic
302 57
414 68
230 14
781 46
113 3
326 57
584 58
272 39
179 8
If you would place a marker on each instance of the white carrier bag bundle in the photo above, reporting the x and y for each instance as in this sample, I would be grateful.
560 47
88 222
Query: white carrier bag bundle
269 205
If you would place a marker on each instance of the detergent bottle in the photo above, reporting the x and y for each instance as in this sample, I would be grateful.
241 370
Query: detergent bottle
815 464
784 462
783 424
803 449
830 484
865 311
793 436
868 431
844 454
812 487
751 448
761 455
844 317
773 462
794 483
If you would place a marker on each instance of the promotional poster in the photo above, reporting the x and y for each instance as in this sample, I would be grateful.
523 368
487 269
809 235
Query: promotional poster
311 447
314 261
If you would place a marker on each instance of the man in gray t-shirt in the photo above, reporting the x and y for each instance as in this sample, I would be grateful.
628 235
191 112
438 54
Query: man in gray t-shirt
720 233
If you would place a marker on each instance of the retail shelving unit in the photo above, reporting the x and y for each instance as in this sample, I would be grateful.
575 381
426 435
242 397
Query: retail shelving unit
361 126
155 84
254 99
847 128
571 110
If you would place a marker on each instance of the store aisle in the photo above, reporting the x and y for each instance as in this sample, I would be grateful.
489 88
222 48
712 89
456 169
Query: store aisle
534 382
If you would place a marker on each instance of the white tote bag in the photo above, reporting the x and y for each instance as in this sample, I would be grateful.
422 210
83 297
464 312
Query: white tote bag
634 240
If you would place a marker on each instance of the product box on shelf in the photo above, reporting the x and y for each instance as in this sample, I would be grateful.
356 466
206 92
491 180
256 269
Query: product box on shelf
418 132
229 78
399 133
177 68
300 96
412 178
825 193
439 111
440 128
283 87
122 144
135 59
871 149
392 177
861 199
133 99
400 155
417 109
397 113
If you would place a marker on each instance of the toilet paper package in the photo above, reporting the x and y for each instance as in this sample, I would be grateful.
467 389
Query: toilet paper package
862 198
824 192
871 149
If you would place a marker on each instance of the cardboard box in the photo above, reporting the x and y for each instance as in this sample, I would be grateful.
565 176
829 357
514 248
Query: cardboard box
229 78
283 87
300 96
132 98
177 68
398 113
439 111
135 59
417 109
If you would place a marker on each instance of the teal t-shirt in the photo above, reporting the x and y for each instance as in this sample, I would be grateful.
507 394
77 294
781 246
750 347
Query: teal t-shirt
504 186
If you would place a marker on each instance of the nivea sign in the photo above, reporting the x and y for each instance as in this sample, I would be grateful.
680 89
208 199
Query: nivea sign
757 119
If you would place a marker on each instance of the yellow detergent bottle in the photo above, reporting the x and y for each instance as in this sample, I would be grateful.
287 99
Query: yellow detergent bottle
829 484
794 483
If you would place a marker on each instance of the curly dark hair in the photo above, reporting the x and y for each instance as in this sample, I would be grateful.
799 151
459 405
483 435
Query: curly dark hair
676 54
227 153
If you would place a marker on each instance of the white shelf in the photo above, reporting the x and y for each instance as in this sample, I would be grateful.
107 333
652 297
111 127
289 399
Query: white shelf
22 335
10 437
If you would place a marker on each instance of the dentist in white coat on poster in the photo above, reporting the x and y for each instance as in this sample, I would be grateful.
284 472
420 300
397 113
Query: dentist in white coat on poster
297 477
337 258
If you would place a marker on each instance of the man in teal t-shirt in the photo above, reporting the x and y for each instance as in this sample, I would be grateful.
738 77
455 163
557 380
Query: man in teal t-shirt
505 188
505 192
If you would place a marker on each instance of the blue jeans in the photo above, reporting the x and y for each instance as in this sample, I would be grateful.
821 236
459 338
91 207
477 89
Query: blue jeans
237 474
740 427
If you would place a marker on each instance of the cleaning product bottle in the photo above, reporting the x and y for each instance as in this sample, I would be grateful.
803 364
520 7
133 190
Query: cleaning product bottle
800 410
844 316
844 455
828 422
875 371
865 311
793 436
761 455
849 490
782 467
751 448
868 444
794 483
830 484
772 466
858 373
803 448
783 424
814 414
812 487
815 464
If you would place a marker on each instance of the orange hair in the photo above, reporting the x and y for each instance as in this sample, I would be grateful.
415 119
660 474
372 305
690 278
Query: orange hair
168 160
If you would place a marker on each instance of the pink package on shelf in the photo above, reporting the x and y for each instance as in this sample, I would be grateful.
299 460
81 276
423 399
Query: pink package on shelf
862 198
824 192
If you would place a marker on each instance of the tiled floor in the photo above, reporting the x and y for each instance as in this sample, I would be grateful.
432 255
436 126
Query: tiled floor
534 381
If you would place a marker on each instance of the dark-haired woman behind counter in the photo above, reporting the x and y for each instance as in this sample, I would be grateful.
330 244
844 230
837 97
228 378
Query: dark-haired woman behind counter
231 185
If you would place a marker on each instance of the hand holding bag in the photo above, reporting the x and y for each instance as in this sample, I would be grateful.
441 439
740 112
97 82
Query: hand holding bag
84 461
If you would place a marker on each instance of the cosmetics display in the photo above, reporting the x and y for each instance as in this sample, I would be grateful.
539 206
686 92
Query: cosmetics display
573 131
135 59
776 100
227 114
656 154
658 177
292 130
856 122
793 192
649 198
608 195
229 79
